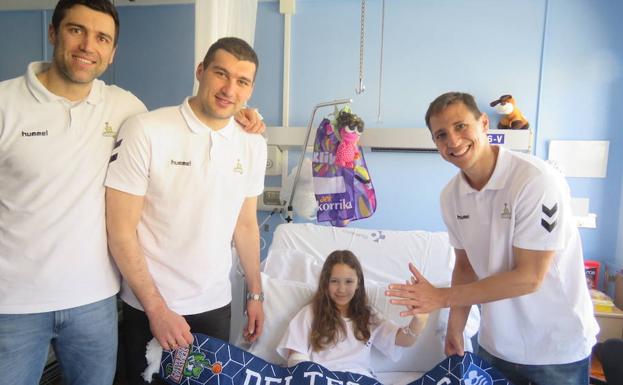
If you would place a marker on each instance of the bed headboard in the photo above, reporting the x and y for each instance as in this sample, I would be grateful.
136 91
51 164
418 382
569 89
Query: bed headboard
384 254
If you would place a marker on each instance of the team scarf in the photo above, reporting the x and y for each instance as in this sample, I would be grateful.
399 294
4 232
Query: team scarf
210 361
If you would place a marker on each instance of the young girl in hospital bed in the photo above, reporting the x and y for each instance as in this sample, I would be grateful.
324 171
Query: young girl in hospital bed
338 328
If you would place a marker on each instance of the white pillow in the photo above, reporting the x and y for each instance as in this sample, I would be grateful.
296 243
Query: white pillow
384 254
293 265
282 300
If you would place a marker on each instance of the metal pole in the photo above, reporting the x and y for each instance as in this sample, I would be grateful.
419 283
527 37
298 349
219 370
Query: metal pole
304 149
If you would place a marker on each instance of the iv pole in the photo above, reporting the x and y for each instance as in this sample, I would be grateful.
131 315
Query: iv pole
289 218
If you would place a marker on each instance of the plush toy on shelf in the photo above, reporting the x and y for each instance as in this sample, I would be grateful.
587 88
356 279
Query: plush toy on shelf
350 127
513 118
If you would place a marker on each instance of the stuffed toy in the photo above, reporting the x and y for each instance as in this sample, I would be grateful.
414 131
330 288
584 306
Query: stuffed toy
513 118
350 127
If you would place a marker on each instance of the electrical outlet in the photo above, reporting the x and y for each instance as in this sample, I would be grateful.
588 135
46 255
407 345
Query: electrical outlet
269 200
273 161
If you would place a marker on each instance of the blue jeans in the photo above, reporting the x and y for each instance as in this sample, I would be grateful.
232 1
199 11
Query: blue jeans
84 340
575 373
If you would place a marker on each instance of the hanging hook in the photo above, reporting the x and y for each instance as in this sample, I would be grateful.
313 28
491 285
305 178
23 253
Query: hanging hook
361 87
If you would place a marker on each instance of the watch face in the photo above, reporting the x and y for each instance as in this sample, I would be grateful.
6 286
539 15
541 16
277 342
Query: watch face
255 296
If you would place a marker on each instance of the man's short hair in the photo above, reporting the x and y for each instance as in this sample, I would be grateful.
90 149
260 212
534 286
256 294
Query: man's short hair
235 46
104 6
449 98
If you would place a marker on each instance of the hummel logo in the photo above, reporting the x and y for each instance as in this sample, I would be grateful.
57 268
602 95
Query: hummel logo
113 157
549 212
548 226
35 133
181 162
459 217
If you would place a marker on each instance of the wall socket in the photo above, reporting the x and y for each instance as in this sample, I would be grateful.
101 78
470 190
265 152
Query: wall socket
269 200
273 161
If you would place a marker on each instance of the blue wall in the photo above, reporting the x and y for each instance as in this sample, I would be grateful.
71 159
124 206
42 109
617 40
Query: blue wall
581 99
561 59
154 59
19 49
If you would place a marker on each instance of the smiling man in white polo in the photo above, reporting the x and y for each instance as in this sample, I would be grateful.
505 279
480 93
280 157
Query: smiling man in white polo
182 183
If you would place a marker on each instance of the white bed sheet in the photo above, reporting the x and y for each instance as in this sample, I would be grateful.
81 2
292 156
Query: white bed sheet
398 378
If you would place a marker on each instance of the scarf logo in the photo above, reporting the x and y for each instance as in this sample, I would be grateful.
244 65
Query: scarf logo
190 365
474 375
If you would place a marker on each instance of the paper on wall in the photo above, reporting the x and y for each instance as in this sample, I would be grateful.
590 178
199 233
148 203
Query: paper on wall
580 158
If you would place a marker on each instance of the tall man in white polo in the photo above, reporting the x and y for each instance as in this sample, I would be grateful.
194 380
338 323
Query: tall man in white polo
57 129
518 253
182 183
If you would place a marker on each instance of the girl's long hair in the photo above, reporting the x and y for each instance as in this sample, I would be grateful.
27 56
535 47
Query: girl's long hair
327 325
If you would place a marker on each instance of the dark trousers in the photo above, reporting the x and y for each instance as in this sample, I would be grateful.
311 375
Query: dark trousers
135 334
612 360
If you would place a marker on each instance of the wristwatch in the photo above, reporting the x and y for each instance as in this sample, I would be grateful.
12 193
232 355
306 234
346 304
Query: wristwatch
255 296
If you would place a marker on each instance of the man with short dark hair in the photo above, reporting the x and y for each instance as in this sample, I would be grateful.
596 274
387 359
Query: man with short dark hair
57 129
182 183
518 254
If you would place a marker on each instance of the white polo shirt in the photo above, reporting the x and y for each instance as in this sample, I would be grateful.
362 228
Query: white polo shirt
194 181
525 204
53 159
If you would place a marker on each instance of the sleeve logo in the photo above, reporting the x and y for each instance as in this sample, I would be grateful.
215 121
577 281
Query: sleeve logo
113 157
549 223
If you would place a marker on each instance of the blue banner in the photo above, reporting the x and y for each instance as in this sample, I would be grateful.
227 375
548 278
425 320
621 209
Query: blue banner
210 361
467 370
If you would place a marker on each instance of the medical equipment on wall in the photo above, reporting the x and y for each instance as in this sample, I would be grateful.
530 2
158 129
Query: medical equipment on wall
342 186
304 201
342 183
288 203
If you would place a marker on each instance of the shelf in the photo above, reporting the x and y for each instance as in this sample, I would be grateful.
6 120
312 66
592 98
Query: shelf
396 139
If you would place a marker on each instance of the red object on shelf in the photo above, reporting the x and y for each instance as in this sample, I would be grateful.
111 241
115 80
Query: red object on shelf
591 269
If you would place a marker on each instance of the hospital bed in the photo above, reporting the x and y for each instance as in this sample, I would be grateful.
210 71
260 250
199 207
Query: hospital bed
290 277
